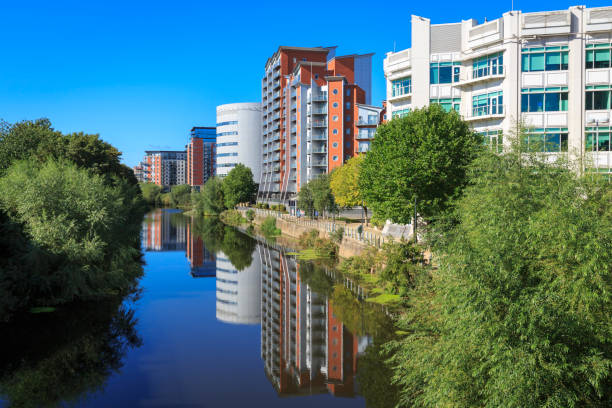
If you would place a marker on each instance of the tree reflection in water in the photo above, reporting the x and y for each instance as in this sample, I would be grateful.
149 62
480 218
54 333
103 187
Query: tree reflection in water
60 358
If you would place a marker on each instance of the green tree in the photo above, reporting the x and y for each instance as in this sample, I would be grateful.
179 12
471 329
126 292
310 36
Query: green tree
26 139
423 155
238 186
150 192
519 312
305 201
344 183
181 195
211 198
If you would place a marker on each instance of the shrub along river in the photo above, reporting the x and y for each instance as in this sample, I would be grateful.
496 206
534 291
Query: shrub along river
220 319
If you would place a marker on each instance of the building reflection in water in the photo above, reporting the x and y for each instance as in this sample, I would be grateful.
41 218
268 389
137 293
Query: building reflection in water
238 292
305 348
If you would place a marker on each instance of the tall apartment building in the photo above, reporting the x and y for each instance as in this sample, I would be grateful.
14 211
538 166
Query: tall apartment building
311 104
201 155
238 137
139 172
551 70
165 167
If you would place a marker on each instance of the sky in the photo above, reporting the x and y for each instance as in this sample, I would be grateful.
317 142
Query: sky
142 73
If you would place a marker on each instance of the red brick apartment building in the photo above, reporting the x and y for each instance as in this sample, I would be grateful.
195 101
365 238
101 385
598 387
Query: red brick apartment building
316 114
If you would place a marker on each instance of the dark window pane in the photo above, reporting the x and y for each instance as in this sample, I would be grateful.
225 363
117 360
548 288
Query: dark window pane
564 142
589 101
525 103
553 61
553 143
602 58
536 102
446 75
603 142
590 57
590 141
536 62
552 102
433 74
601 100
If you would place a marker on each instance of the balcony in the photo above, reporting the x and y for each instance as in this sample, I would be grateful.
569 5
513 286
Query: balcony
293 106
317 150
276 95
365 135
318 111
276 146
318 163
486 113
294 129
368 122
403 95
293 118
473 76
317 124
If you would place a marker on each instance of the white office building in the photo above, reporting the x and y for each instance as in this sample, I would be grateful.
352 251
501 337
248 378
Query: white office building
238 137
551 70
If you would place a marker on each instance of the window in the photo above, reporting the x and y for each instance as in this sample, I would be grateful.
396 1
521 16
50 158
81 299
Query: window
316 76
400 113
549 140
226 154
347 145
443 72
598 55
545 59
401 86
231 122
227 144
348 105
348 92
488 104
488 65
335 158
493 139
226 133
598 97
448 104
347 118
363 147
348 131
544 99
335 131
335 144
335 92
598 139
335 118
335 105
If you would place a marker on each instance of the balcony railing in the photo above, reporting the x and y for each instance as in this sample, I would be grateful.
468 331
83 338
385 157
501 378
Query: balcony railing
488 73
362 122
486 112
322 97
317 123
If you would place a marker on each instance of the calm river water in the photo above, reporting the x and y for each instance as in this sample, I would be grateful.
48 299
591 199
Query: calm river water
222 320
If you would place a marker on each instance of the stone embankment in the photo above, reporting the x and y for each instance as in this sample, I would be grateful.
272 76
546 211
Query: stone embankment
353 241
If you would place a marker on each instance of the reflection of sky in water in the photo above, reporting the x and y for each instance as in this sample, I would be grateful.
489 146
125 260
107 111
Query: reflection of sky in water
188 357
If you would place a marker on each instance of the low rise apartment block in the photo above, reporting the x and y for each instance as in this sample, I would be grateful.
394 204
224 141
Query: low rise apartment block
550 70
165 167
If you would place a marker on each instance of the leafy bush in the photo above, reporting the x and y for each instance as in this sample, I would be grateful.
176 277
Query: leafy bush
81 238
250 215
181 195
268 227
150 193
232 217
337 235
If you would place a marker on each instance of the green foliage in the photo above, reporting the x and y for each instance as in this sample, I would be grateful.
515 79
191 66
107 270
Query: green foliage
324 248
315 276
150 193
519 312
424 155
233 217
238 186
268 227
210 200
250 215
181 195
317 195
337 235
74 233
403 262
344 183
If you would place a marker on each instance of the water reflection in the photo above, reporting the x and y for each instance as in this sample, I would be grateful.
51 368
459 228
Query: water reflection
201 345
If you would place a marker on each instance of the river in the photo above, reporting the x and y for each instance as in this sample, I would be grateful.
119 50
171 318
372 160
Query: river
221 320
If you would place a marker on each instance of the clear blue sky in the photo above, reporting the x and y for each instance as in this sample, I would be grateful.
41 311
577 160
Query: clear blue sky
142 73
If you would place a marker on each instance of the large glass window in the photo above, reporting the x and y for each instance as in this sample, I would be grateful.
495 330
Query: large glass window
400 113
448 104
548 140
488 65
401 86
488 104
444 72
598 97
598 139
545 59
493 139
598 55
544 100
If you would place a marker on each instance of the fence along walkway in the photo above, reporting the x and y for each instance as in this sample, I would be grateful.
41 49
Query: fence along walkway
367 236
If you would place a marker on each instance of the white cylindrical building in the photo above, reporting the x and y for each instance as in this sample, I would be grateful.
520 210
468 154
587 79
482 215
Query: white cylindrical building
238 137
